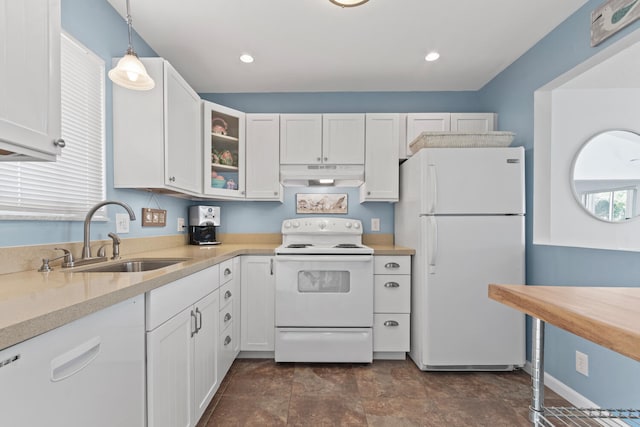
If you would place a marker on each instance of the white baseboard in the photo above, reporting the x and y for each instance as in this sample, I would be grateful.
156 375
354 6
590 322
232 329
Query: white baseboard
566 392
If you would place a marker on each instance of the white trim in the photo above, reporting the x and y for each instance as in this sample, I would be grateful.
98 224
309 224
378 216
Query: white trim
566 392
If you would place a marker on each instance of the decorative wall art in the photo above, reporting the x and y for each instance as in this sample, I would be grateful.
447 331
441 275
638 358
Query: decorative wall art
611 16
321 203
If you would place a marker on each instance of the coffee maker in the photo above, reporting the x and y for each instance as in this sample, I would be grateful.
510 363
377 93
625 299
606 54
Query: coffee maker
203 221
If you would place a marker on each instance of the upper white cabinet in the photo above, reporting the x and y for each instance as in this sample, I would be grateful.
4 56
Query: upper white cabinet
445 122
29 80
381 167
224 156
157 140
321 138
263 157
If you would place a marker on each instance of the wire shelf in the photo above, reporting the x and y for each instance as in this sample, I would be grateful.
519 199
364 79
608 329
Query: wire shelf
585 417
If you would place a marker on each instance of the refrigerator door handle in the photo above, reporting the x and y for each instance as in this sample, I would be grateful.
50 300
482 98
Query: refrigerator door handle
433 244
433 182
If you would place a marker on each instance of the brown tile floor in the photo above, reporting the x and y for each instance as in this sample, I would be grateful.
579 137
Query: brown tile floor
384 393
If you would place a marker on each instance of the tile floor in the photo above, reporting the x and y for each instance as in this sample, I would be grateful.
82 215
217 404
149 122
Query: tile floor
384 393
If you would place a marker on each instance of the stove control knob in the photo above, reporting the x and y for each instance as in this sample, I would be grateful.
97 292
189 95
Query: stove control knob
287 224
296 224
356 225
348 225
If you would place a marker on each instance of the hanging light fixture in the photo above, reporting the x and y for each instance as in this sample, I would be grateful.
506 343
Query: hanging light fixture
130 73
348 3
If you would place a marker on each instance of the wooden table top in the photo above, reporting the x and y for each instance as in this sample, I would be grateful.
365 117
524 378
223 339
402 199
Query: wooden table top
609 317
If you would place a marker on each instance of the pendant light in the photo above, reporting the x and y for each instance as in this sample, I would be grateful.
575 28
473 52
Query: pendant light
130 73
348 3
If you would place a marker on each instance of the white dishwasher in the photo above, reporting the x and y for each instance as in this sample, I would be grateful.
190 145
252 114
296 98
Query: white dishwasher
87 373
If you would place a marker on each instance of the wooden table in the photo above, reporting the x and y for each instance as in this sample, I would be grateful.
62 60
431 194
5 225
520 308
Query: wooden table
609 317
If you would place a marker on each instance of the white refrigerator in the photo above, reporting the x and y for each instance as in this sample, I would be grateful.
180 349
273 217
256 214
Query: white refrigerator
462 210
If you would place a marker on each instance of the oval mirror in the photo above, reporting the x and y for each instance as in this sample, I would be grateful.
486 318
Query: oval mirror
606 175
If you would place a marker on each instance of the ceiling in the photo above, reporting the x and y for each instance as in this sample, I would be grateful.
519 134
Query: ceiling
316 46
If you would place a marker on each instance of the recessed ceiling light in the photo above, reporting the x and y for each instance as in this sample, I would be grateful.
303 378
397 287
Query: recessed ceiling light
246 58
432 56
348 3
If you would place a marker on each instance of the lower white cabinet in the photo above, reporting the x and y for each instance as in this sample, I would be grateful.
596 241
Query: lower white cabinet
229 321
182 349
89 372
391 306
257 304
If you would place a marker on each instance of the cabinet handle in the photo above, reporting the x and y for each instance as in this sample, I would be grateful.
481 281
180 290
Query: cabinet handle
227 295
227 340
271 266
275 193
194 324
392 265
198 316
392 285
227 271
368 193
319 159
60 143
172 179
391 323
326 158
227 317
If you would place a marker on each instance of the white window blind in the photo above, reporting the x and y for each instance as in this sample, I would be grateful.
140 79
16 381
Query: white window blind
66 189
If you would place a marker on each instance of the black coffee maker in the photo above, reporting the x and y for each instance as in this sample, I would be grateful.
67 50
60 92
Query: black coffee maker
203 221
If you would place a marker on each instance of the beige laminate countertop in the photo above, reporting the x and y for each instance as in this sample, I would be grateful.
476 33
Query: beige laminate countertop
609 317
32 303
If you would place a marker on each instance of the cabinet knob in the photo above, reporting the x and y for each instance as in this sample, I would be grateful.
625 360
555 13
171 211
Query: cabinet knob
392 265
368 193
60 143
319 159
227 295
391 323
275 193
326 158
227 271
227 340
227 317
392 285
172 179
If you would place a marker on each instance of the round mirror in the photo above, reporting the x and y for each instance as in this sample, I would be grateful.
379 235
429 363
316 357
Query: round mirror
606 175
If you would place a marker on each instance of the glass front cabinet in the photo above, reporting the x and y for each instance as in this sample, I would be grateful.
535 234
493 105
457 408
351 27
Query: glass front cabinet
224 156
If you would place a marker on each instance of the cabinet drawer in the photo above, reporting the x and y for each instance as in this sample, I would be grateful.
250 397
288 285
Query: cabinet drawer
226 317
226 294
226 352
391 332
392 264
226 271
392 293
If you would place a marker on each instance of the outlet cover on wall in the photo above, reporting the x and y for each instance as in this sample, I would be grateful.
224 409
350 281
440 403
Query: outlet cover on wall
582 363
375 224
122 223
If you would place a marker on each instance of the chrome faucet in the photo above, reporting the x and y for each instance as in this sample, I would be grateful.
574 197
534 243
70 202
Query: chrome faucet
86 248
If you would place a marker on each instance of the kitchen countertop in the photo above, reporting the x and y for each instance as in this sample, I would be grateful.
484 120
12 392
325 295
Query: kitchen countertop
32 303
609 317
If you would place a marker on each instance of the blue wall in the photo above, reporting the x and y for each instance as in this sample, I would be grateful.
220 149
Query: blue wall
613 379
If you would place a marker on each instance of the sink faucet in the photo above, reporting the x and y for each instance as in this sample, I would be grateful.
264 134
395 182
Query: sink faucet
86 248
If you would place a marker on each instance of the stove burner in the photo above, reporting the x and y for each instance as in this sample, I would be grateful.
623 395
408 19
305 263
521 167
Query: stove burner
299 245
347 245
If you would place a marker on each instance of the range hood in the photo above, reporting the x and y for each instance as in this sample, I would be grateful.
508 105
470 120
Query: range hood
309 175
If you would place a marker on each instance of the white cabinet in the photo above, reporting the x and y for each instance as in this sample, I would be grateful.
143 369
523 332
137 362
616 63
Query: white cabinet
391 306
445 122
89 372
157 140
381 167
229 322
258 304
29 80
263 157
321 138
182 349
224 151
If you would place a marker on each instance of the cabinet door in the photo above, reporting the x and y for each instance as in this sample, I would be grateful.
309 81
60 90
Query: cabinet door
381 168
237 310
473 122
258 304
205 352
224 151
29 79
343 139
300 139
426 122
182 141
263 157
170 372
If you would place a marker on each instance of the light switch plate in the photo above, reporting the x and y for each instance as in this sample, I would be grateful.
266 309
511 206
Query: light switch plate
375 224
122 223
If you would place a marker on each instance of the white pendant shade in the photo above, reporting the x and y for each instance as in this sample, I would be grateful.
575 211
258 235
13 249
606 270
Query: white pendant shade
348 3
131 74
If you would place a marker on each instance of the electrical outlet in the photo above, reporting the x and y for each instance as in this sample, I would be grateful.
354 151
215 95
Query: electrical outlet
122 223
375 224
582 363
180 224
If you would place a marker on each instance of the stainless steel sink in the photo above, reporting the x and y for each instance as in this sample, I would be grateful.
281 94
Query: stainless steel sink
133 265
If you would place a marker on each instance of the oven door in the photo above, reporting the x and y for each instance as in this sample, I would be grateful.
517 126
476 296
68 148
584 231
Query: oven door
324 291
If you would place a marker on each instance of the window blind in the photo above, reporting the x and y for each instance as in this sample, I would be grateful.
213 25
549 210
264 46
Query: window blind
66 189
